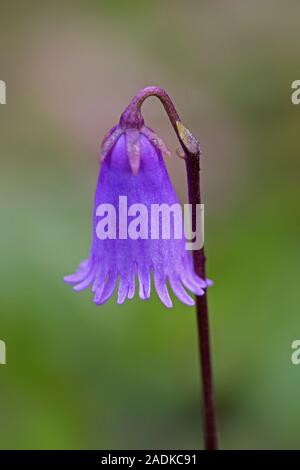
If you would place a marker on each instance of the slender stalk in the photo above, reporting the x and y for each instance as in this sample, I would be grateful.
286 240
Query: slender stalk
132 117
209 415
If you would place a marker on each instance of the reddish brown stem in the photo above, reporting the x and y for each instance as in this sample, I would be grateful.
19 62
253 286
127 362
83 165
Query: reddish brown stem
209 415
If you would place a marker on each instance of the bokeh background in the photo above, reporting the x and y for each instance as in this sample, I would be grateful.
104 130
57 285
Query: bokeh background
127 377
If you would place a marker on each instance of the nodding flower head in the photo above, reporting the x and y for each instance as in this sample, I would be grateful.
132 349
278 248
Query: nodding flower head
133 171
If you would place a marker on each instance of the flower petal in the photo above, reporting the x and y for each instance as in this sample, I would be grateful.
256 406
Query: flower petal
108 288
100 278
87 281
81 272
131 284
192 284
144 282
162 290
179 291
122 290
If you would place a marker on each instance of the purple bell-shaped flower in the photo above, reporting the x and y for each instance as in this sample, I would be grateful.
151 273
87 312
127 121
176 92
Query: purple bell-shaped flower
126 244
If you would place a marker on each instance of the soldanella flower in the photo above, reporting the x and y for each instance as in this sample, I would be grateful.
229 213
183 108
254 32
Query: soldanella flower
133 171
127 246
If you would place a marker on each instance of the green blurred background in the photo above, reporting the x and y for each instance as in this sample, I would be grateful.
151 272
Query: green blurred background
83 377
